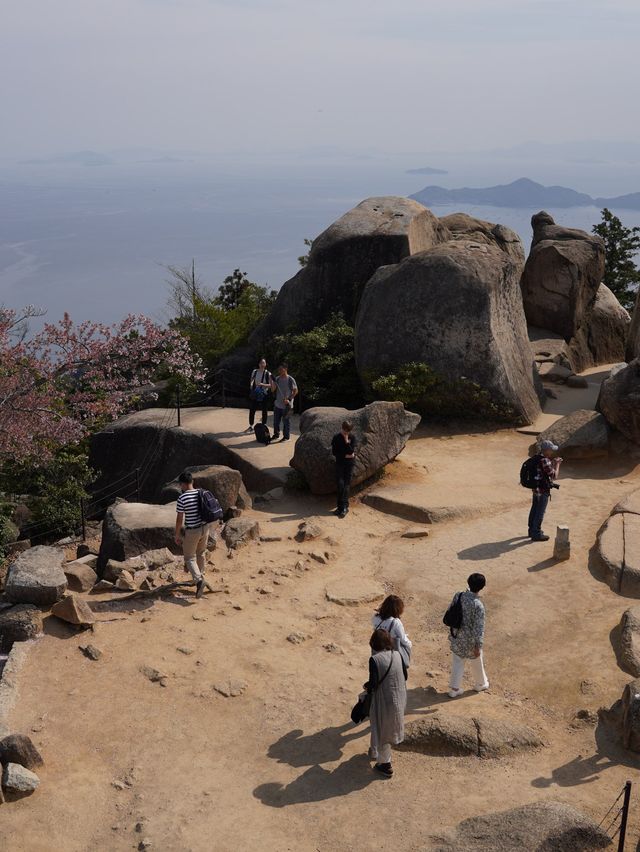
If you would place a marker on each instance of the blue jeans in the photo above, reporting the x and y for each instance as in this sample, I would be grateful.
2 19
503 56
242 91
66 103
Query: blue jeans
536 515
279 416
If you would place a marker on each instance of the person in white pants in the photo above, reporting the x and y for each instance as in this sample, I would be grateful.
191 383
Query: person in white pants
467 640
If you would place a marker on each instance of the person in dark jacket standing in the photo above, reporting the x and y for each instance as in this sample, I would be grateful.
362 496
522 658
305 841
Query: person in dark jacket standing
343 447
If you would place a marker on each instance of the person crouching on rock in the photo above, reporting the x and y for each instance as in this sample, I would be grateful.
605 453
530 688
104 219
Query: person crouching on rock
387 617
388 689
343 447
192 534
467 640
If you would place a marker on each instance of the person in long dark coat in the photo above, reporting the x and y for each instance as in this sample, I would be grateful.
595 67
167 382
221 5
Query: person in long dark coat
388 689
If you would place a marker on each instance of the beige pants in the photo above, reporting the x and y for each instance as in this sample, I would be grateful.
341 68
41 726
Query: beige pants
194 545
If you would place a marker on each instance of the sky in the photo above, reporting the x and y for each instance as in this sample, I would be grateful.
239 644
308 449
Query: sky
247 76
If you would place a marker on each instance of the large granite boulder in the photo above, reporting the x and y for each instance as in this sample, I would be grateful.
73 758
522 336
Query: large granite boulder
376 232
130 529
619 400
19 624
461 226
602 336
224 482
381 429
538 827
561 276
456 308
582 434
36 577
632 348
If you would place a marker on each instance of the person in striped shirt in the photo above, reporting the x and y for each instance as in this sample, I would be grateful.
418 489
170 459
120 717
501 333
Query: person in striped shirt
192 534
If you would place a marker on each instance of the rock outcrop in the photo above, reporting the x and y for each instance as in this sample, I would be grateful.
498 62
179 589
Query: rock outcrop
624 716
80 573
461 226
130 529
561 276
627 641
619 400
381 429
632 348
240 531
36 577
458 309
224 482
19 624
18 748
450 735
582 434
602 336
538 827
375 233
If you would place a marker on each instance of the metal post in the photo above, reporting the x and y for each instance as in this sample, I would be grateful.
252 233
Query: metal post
625 814
178 402
224 390
83 518
137 485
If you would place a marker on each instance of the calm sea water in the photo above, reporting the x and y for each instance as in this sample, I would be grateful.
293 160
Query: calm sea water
94 241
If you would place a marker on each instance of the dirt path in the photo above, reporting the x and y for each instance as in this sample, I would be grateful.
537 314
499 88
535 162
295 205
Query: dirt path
280 767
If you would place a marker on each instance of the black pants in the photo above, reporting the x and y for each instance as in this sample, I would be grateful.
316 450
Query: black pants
254 405
344 472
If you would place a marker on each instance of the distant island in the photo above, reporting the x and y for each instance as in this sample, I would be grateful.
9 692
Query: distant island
426 170
523 193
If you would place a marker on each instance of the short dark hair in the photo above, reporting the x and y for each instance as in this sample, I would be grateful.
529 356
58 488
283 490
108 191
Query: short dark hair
381 641
476 582
347 425
283 366
186 476
391 607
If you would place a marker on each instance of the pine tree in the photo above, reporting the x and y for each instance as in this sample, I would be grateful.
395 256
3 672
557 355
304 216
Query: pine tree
621 275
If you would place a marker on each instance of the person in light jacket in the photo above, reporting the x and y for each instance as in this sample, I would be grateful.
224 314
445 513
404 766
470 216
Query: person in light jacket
387 616
388 689
467 641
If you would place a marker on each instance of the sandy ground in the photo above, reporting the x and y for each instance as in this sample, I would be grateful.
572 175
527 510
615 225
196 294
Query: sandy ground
280 767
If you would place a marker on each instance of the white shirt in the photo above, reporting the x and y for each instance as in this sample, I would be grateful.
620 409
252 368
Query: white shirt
397 632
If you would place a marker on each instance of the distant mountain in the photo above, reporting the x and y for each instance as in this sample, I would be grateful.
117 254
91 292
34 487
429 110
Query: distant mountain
427 170
523 193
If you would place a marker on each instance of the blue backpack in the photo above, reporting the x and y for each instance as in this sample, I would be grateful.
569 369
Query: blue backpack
210 509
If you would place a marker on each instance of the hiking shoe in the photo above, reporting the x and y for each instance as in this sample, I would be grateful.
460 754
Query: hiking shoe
384 769
248 430
482 688
200 589
455 693
342 514
275 436
540 538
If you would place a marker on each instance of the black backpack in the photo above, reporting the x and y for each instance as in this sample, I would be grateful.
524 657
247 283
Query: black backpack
262 433
210 509
529 472
453 616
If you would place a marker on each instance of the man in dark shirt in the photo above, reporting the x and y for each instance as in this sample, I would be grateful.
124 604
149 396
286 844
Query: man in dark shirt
343 447
548 469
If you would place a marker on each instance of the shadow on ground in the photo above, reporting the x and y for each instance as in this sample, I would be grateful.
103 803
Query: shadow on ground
493 549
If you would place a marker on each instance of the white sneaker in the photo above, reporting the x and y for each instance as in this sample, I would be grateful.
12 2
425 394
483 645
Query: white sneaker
455 693
482 688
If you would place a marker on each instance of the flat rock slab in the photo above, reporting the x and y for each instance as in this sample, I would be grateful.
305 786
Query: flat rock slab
539 827
449 735
630 504
618 548
352 591
73 610
580 435
36 577
415 532
411 505
231 688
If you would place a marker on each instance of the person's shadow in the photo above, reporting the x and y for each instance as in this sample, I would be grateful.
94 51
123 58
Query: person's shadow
492 549
324 746
318 784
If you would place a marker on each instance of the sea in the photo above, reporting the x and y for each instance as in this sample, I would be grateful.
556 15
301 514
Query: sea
95 241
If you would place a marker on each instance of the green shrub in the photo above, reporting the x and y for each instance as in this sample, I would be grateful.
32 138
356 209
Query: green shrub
322 361
419 387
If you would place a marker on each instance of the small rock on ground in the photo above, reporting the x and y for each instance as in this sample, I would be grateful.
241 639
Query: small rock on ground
17 779
91 651
230 688
18 748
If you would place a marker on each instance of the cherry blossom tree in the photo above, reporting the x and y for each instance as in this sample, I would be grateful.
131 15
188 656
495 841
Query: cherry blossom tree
58 384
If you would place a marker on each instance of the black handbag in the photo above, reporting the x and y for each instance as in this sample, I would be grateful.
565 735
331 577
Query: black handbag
362 707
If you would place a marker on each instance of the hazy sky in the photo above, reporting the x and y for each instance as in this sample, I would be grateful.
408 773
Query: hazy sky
267 75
